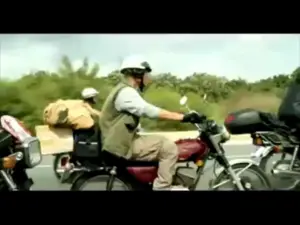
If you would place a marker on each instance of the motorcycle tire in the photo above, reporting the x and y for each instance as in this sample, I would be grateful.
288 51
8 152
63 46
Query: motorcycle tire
278 183
255 170
264 161
84 178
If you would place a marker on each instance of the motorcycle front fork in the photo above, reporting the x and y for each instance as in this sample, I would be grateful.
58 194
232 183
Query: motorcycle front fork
236 180
222 160
9 181
16 180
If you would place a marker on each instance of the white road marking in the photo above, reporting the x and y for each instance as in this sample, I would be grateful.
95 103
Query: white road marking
44 166
241 142
239 156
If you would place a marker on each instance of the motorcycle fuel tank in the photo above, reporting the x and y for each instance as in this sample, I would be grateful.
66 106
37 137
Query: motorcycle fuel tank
190 147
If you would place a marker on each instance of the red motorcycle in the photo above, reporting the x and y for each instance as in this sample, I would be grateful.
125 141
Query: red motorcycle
98 165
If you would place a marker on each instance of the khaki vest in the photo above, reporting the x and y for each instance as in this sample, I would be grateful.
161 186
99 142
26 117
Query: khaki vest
118 129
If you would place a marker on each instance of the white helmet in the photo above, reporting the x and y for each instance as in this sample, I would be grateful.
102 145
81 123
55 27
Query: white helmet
89 93
135 62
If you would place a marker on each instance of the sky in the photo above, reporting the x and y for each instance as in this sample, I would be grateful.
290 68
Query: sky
248 56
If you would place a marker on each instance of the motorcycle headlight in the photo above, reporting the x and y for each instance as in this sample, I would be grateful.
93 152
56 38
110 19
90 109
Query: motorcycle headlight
225 135
32 152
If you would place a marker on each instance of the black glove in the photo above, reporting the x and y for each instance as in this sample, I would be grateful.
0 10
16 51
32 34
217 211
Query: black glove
193 117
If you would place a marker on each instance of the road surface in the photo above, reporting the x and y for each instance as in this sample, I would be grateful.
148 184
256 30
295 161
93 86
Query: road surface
44 178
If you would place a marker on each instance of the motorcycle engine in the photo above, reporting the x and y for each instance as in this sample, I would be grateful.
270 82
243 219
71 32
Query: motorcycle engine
185 176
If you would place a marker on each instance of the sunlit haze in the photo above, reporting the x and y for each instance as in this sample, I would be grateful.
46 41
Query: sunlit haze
249 56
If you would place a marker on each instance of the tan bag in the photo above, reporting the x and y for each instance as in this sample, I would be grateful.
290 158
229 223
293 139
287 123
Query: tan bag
68 113
56 114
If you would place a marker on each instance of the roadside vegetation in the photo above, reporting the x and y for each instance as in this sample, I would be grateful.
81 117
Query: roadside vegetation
26 97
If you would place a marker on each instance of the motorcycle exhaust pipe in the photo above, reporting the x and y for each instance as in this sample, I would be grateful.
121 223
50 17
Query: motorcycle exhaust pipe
286 173
75 169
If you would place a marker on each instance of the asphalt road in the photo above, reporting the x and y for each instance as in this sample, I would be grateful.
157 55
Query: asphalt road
44 178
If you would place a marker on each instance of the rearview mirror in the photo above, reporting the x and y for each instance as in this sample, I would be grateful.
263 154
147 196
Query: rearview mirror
183 100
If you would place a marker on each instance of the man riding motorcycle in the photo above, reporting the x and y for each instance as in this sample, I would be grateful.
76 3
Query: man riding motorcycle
120 118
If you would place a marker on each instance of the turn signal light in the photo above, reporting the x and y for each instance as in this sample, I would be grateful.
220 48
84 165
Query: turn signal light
9 162
199 163
276 149
258 141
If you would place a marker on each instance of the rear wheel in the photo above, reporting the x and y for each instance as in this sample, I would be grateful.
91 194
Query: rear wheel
96 181
267 164
252 177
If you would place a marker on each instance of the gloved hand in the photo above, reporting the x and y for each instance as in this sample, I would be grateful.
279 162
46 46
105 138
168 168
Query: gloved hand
193 117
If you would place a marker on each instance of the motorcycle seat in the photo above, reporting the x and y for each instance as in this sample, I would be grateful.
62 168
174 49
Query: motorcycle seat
110 159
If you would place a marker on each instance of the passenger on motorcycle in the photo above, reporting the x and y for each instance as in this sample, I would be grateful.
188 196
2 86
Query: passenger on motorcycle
120 118
89 96
77 114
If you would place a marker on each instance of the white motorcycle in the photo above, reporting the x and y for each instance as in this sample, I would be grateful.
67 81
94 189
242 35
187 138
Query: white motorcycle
278 155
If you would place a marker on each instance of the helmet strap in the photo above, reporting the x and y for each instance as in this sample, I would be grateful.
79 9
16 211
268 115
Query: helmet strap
142 86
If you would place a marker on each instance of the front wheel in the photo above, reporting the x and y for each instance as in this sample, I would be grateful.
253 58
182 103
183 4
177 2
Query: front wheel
252 178
60 160
96 181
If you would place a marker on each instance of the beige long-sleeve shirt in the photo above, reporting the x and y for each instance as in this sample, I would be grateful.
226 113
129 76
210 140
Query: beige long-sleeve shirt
92 111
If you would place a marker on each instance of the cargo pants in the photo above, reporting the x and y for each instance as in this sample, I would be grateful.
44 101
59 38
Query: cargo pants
155 147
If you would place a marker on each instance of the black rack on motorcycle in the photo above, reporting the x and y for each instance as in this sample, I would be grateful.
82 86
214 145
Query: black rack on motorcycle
91 163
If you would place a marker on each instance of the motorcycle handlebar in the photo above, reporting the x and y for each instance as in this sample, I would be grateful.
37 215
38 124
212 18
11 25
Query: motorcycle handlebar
206 125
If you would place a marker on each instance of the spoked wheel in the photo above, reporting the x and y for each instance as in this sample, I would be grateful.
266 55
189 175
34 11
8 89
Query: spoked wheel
252 177
267 164
97 181
59 162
